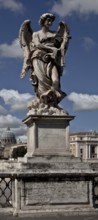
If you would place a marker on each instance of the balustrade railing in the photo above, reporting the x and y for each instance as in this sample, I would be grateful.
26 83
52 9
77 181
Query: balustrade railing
5 192
95 192
8 191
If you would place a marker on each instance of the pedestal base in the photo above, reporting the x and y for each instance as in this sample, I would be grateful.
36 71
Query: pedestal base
56 184
48 135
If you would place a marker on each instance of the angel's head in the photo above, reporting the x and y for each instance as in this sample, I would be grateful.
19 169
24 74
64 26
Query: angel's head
46 18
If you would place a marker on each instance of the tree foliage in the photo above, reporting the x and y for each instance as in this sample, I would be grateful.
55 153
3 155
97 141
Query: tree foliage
19 152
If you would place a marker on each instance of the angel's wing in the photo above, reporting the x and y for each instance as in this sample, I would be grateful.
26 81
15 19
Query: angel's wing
63 35
25 38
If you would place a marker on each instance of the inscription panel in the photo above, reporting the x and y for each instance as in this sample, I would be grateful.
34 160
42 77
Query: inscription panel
51 138
45 193
51 134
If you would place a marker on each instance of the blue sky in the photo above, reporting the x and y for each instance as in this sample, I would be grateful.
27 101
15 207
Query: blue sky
80 77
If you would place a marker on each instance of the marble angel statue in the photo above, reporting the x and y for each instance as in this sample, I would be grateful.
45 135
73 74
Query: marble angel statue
44 52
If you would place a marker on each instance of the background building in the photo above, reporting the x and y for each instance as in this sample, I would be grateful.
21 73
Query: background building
7 140
1 150
84 145
8 143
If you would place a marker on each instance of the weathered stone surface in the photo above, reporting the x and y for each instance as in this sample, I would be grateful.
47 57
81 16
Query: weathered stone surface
49 184
56 192
48 135
37 108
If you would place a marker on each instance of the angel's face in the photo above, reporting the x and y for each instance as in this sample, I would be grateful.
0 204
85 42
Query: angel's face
48 22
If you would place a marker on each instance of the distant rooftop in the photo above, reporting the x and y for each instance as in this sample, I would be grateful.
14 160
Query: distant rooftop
90 133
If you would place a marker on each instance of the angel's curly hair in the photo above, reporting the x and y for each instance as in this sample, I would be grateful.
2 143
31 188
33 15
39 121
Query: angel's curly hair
44 17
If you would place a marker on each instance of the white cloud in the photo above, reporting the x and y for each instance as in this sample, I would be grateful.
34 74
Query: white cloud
67 7
11 50
88 43
20 131
17 101
9 120
22 138
16 126
84 101
12 5
3 111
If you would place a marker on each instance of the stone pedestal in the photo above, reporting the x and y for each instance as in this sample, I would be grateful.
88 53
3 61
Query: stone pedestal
52 180
48 135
